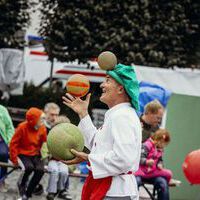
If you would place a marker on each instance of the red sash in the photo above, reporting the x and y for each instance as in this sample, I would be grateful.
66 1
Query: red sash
95 189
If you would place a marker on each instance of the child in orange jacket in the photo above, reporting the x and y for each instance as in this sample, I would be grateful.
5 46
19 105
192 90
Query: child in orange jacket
25 149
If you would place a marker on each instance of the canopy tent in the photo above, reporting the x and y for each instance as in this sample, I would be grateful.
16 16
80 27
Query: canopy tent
177 80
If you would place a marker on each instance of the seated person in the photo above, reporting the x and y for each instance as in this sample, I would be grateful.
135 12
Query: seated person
6 133
151 118
151 166
25 149
58 182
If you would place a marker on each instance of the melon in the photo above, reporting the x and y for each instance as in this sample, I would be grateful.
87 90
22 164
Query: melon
78 85
107 60
62 138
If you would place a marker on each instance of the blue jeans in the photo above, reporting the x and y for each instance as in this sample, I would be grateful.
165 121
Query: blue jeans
4 155
58 175
160 184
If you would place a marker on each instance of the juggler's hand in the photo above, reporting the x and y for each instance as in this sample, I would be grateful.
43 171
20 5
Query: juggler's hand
77 104
80 157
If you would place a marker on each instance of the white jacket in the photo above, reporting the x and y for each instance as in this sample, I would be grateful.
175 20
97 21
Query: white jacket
115 148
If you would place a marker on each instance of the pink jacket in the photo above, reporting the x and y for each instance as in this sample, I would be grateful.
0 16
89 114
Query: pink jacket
150 151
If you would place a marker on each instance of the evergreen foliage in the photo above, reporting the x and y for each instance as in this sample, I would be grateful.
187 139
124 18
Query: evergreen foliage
160 33
14 18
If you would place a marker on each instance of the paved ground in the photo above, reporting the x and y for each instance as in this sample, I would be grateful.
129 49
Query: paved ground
75 188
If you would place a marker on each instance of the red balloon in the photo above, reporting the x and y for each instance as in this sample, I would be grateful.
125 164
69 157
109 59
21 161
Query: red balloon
191 167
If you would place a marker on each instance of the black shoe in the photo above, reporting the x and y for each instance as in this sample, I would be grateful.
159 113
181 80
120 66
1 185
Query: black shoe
21 189
50 196
38 190
64 194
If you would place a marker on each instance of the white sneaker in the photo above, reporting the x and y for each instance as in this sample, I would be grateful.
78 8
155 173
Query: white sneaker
174 182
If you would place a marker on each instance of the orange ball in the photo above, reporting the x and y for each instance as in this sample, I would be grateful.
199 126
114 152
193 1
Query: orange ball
78 85
107 60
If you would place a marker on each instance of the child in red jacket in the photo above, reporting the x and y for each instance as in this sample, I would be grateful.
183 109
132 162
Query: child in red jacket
25 150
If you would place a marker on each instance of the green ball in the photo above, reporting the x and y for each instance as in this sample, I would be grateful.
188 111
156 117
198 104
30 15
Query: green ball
62 138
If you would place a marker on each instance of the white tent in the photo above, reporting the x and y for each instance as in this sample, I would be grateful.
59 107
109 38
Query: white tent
179 81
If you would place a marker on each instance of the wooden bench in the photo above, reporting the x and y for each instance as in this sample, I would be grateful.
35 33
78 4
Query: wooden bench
150 191
9 165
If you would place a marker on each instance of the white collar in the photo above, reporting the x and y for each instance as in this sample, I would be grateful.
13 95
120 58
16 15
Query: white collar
117 107
47 124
